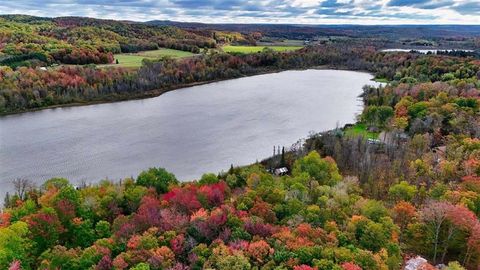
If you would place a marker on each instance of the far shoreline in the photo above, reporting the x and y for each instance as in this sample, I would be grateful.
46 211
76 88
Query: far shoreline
159 92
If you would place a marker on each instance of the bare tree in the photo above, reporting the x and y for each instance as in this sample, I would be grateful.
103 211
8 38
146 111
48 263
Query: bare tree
22 186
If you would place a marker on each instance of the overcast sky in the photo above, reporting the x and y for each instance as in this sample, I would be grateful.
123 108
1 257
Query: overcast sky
259 11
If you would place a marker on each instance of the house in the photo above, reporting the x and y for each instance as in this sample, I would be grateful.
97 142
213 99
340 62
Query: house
281 171
373 141
415 263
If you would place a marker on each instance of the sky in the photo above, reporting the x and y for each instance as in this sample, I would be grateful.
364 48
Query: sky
259 11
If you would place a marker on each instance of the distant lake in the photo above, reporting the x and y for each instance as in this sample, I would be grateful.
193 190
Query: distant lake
424 51
189 131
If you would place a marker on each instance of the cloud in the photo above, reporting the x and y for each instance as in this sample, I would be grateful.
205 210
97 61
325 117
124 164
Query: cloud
407 2
263 11
423 4
468 8
334 4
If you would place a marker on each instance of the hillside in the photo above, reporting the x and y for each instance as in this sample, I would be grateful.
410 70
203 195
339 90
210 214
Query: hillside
34 41
463 36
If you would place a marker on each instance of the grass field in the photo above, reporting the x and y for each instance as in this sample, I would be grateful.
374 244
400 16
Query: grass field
254 49
381 80
135 59
165 52
361 130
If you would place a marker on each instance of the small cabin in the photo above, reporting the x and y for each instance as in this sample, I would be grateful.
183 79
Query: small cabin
281 171
373 141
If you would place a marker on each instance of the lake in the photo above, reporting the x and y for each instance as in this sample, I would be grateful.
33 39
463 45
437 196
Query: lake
189 131
424 51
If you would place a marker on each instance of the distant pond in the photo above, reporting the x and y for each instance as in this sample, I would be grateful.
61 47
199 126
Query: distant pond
424 51
189 131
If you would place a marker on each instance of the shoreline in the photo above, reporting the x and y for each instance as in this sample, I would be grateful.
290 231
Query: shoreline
159 92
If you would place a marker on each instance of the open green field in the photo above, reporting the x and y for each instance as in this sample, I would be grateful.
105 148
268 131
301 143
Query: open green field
164 52
360 130
381 80
135 59
281 42
255 49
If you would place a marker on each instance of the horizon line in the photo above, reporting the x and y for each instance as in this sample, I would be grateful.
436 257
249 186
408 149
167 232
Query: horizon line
230 23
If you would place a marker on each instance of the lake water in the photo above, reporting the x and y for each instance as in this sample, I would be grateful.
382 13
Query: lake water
424 51
189 131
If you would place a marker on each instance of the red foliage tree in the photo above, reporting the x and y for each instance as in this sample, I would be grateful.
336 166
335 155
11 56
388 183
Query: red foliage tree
15 265
65 209
45 229
304 267
259 251
213 193
178 244
264 210
256 227
105 263
473 244
5 219
148 214
184 199
350 266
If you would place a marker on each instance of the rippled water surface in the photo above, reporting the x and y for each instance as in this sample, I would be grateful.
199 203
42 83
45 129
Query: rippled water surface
190 131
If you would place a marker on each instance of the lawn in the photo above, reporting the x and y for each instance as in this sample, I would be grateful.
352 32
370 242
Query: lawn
135 59
128 60
360 130
381 80
255 49
165 52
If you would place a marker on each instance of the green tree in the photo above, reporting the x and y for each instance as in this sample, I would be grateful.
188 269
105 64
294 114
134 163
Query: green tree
374 236
454 266
83 234
133 195
28 207
233 262
141 266
59 257
55 182
208 178
324 264
325 171
377 115
402 191
14 245
374 210
157 178
418 110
